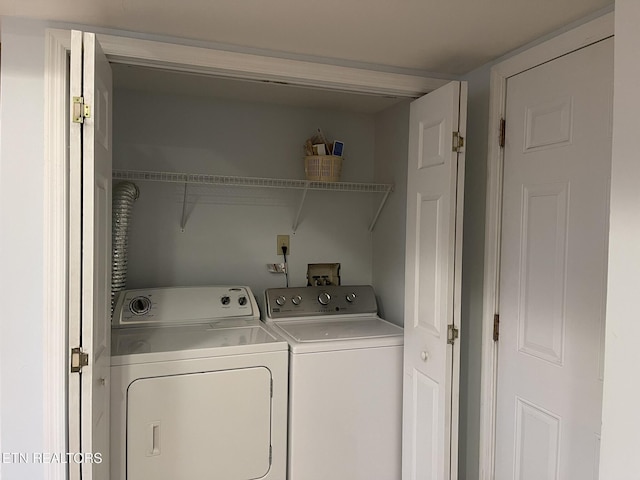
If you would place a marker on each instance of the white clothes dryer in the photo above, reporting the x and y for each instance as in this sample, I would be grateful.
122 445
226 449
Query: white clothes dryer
345 383
198 387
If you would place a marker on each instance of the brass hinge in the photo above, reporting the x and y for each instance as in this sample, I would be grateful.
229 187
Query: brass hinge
80 110
452 334
458 142
496 327
79 359
270 454
503 126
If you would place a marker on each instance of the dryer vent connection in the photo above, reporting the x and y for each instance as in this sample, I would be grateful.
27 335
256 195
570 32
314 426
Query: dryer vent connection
124 196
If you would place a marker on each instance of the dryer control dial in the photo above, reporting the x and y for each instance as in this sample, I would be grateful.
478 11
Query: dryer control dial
351 297
297 300
226 300
281 300
242 301
324 298
140 305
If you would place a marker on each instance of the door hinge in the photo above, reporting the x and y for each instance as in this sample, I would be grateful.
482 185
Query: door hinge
270 454
458 142
503 126
80 110
272 388
452 334
79 359
496 327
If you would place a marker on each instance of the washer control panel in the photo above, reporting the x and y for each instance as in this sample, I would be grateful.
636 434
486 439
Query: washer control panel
183 305
311 301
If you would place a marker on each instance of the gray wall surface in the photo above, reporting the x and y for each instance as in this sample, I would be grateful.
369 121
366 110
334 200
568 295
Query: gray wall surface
391 152
473 272
230 233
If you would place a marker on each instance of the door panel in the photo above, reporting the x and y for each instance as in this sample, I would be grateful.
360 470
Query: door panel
429 209
557 163
90 274
434 219
543 244
536 442
96 251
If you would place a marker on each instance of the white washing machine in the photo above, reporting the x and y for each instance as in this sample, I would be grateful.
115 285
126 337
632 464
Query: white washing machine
198 387
345 383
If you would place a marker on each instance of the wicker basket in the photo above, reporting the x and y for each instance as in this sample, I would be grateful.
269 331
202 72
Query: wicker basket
323 168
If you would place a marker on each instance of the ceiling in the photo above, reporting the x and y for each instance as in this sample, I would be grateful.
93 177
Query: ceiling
450 37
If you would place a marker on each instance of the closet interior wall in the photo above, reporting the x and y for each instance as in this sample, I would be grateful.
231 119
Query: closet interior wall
230 232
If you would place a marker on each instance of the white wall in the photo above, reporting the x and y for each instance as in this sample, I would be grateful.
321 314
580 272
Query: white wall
21 245
231 233
391 153
619 457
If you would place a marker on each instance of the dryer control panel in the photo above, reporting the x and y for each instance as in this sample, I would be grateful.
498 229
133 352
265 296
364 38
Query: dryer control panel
314 301
184 305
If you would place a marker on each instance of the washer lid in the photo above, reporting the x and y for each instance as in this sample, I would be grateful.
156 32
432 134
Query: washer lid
332 330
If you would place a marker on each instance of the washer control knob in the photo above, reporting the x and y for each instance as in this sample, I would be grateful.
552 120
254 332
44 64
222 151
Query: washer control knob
140 305
324 298
225 300
351 297
281 300
297 300
242 301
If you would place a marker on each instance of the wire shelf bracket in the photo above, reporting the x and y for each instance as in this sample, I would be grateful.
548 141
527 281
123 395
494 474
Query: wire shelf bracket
382 203
296 221
183 220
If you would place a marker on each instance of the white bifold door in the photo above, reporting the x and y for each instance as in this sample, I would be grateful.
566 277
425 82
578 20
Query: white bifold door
557 163
89 256
432 282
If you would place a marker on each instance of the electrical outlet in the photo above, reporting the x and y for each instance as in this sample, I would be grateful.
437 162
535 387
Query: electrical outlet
283 241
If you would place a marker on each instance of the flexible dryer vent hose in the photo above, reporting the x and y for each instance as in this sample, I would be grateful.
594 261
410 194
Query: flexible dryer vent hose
124 196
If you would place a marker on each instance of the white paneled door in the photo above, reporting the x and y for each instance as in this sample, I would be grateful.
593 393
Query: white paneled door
432 282
90 273
557 163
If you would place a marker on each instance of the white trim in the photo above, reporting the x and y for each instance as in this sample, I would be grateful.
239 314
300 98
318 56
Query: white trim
223 63
55 253
75 251
457 292
586 34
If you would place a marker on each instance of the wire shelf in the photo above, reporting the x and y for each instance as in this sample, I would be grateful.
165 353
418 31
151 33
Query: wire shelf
225 180
203 179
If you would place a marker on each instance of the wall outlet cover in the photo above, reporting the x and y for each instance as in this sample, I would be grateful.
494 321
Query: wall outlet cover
282 241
